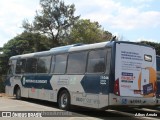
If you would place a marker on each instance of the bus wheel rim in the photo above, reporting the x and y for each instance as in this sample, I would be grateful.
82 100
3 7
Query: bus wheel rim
64 100
18 93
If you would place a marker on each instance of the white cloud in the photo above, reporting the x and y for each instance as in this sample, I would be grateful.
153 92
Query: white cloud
142 1
13 12
134 19
118 16
145 39
109 13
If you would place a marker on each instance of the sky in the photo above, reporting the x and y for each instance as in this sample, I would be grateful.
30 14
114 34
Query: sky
131 20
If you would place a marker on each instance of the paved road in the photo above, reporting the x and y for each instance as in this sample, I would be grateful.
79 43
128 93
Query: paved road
11 104
23 107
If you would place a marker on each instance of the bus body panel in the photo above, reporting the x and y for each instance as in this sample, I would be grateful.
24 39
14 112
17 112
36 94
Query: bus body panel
94 90
9 90
158 79
84 89
87 94
135 69
115 100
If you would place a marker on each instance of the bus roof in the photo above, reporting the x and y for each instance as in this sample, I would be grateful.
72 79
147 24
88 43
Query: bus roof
64 49
71 48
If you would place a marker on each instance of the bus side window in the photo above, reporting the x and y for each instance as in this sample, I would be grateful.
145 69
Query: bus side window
108 58
10 70
31 65
60 64
52 64
96 61
43 64
20 66
77 63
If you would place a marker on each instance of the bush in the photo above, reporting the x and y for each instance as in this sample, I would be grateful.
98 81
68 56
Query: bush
2 87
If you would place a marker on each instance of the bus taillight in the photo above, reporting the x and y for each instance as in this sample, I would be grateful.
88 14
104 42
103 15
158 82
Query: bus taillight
116 87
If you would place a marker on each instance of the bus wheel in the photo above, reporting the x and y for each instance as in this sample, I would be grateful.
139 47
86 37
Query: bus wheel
64 100
18 93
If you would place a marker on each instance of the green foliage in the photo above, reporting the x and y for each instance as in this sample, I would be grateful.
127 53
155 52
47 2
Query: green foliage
26 43
3 65
54 20
2 88
21 44
15 47
36 41
85 31
153 44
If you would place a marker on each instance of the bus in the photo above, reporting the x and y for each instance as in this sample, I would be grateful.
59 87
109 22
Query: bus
99 75
158 79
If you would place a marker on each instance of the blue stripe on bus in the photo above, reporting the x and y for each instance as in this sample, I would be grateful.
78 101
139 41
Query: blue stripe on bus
7 81
92 84
39 82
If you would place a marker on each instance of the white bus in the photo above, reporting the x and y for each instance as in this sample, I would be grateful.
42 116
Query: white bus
158 79
99 75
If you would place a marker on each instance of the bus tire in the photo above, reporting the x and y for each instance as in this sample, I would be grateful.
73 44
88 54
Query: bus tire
64 100
18 93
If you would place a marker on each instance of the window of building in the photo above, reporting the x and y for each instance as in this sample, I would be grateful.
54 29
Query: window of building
77 62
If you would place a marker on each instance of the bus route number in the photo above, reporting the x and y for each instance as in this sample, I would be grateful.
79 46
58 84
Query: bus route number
103 80
104 77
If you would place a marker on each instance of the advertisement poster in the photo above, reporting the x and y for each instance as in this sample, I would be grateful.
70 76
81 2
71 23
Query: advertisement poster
135 69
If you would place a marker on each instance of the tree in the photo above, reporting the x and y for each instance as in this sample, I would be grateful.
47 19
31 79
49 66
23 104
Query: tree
1 61
153 44
85 31
26 43
54 20
37 42
21 44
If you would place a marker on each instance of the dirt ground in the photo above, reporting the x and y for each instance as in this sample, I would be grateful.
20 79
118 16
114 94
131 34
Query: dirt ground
3 95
